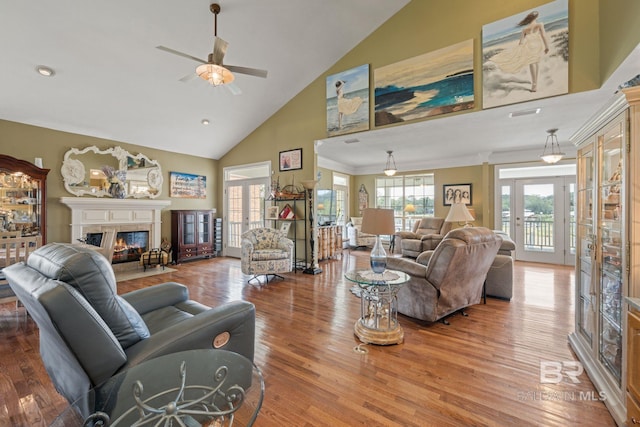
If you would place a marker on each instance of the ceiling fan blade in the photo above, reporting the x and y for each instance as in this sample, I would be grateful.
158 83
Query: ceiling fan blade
233 88
246 70
188 77
184 55
219 50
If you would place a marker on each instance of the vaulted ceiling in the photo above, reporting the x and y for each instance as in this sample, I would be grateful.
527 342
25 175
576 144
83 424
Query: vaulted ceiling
111 82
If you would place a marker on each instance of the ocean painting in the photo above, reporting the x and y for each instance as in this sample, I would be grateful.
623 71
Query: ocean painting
435 83
526 56
348 101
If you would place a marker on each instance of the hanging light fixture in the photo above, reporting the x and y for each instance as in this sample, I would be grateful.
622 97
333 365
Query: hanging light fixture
391 168
552 154
214 74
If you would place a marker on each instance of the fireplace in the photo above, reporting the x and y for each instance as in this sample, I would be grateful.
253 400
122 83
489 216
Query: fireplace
102 222
129 245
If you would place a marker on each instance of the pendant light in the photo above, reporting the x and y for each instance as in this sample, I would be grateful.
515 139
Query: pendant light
552 154
390 169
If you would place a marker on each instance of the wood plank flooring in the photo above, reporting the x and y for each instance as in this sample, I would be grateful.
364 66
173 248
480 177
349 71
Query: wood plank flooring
482 370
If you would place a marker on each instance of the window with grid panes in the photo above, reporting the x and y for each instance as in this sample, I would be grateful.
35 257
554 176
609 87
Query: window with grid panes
410 196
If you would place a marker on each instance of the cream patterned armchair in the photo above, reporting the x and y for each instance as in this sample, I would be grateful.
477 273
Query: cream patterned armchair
358 239
266 251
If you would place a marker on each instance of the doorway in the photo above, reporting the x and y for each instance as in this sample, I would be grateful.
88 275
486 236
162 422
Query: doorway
538 213
245 188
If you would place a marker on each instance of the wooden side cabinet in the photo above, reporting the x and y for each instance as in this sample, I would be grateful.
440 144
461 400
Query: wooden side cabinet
192 234
633 367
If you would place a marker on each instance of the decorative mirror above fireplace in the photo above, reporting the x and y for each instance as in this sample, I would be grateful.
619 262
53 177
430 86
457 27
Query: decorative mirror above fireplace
94 172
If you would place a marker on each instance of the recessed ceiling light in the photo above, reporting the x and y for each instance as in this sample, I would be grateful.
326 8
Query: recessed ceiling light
45 71
525 112
205 122
351 141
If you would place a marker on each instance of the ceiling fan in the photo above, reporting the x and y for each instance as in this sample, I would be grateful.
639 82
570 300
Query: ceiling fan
212 70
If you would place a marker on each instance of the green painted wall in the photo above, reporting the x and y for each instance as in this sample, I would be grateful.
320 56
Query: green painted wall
619 34
603 33
424 26
28 142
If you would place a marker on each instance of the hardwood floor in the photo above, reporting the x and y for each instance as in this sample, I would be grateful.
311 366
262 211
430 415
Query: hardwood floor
482 370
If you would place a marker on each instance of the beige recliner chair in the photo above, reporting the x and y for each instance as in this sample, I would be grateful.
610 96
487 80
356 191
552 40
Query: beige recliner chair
425 236
449 278
358 239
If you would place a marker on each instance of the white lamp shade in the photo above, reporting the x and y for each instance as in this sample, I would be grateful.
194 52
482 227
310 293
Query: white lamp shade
459 213
378 221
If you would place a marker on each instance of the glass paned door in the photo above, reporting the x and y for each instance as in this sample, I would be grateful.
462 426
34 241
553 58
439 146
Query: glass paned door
539 220
244 202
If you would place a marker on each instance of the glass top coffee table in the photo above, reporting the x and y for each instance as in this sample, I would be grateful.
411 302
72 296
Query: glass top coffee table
189 388
378 322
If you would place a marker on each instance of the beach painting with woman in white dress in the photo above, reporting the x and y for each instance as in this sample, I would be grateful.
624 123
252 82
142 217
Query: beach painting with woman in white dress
526 56
348 101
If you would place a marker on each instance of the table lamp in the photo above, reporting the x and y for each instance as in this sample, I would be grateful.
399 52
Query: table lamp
410 208
459 213
378 221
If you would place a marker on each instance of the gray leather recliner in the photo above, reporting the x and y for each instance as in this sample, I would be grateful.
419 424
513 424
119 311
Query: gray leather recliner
88 333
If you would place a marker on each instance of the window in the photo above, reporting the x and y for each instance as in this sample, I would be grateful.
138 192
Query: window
410 196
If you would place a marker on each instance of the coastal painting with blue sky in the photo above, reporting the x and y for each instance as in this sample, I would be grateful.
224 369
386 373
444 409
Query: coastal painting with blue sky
434 83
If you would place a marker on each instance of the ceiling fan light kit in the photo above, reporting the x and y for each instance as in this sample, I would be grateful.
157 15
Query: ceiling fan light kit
212 70
216 75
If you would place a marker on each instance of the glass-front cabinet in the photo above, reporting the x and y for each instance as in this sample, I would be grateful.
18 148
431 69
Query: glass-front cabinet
608 262
585 307
192 234
611 149
22 198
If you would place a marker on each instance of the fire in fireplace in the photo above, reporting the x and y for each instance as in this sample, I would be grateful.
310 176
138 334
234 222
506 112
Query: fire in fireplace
129 245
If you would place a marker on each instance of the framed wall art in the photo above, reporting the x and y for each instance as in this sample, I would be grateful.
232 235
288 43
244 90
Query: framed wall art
272 212
526 56
434 83
284 228
291 160
456 193
348 101
188 186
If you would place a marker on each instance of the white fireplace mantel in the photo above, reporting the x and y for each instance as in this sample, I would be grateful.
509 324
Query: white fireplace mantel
89 212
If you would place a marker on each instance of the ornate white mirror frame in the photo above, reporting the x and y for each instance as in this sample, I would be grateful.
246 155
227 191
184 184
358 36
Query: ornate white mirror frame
83 171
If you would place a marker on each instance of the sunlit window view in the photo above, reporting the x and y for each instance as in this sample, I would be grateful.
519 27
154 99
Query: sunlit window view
410 197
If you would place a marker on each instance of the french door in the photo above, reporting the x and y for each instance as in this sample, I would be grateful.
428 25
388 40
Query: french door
543 224
245 188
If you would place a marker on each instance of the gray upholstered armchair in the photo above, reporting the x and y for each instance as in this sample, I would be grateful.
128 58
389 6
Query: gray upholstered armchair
449 278
88 333
266 251
425 236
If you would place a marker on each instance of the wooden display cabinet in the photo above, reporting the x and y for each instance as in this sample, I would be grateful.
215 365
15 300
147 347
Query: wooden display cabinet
192 234
23 197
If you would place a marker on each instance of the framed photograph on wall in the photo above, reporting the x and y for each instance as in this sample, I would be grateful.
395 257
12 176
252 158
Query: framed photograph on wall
456 193
291 160
272 212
